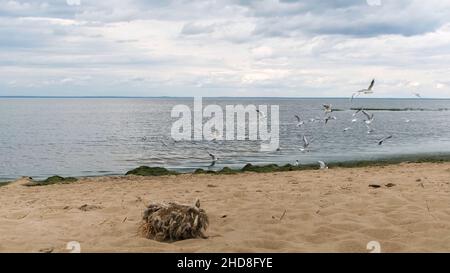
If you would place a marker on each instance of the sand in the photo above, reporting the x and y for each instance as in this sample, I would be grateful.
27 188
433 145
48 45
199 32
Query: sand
304 211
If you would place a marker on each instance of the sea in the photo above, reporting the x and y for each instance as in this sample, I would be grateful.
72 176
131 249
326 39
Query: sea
42 136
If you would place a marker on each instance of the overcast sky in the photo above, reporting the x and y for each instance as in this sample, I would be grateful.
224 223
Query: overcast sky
224 47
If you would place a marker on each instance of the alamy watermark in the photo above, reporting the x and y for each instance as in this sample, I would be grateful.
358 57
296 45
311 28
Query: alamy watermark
235 122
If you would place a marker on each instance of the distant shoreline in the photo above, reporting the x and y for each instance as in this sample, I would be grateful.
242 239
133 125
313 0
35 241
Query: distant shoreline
219 97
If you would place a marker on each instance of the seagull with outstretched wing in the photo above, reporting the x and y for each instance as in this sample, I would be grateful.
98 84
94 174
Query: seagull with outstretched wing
364 91
380 142
370 117
300 122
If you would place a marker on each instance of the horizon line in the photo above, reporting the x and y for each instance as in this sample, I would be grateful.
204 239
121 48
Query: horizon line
219 97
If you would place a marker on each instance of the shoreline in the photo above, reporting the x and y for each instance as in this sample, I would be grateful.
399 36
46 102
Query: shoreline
269 168
403 206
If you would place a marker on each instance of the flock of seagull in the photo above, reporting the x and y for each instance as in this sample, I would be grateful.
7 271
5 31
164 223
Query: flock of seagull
328 109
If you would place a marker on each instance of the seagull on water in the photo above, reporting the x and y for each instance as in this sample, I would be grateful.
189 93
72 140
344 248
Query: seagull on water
214 159
380 142
323 165
347 129
364 91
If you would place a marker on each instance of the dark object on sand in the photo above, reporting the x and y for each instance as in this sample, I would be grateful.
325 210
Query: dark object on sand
375 186
150 171
52 180
390 185
173 222
87 207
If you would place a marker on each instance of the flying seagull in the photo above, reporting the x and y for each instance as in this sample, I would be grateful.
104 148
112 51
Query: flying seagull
417 94
300 122
216 135
261 114
214 159
380 142
370 117
327 108
364 91
305 144
323 165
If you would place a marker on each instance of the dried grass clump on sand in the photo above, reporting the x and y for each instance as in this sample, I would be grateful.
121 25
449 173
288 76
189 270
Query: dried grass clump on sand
174 222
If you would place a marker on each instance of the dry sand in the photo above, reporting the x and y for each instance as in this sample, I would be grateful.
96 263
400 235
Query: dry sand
306 211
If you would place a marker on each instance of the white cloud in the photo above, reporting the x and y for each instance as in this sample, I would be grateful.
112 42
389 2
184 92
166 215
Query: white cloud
224 47
73 2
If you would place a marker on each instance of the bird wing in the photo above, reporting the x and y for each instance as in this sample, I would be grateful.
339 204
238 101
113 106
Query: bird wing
305 141
371 85
298 118
357 111
369 116
322 164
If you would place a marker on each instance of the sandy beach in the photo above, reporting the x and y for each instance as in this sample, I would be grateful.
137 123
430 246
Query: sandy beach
333 210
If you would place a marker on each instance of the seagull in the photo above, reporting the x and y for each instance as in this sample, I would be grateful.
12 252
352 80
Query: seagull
364 91
380 142
261 114
354 120
347 129
417 94
296 163
300 122
323 165
406 120
214 159
216 135
370 117
328 108
329 118
305 144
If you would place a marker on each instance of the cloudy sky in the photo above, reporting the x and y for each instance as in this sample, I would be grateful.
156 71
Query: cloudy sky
302 48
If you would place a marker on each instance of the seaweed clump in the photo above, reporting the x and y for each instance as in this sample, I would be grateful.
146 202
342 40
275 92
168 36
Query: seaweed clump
56 179
174 222
150 171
